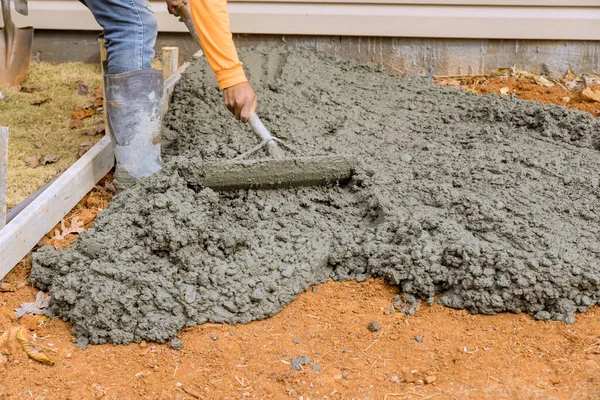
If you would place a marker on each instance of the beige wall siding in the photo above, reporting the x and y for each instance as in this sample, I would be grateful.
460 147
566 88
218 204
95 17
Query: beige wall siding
506 19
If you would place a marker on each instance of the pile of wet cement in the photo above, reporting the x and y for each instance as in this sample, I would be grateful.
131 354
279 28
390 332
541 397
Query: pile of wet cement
491 201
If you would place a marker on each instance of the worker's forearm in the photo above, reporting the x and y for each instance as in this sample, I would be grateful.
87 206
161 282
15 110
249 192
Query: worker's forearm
211 19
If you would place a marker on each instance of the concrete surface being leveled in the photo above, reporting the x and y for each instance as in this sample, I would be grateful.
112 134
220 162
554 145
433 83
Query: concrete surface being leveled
490 201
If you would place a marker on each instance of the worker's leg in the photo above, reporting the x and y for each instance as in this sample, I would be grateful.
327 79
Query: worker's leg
133 89
130 30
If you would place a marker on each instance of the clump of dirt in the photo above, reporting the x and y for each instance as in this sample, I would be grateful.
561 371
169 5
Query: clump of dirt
491 201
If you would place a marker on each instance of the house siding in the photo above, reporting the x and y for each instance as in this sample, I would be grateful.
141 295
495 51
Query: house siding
473 19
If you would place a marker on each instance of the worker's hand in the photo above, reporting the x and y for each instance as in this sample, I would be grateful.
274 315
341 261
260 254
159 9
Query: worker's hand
172 5
240 99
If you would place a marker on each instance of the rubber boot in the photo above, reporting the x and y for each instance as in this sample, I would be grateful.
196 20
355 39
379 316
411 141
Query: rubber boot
133 111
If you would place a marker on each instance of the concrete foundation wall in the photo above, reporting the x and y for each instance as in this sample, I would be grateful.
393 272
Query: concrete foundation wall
411 55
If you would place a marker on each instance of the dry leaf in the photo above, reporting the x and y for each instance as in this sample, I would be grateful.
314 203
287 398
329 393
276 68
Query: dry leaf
100 129
591 95
36 307
30 89
110 187
540 80
570 85
98 92
83 148
82 89
82 112
37 145
570 75
86 216
33 351
6 287
504 90
34 160
76 227
76 124
4 343
40 102
50 159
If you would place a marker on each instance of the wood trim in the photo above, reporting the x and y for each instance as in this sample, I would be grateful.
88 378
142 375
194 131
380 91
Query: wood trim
393 20
518 3
3 173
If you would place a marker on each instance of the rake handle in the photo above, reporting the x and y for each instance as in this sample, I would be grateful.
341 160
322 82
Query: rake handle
185 16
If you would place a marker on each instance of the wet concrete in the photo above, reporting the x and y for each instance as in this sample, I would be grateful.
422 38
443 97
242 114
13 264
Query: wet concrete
491 202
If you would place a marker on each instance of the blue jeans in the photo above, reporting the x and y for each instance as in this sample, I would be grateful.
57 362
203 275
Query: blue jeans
130 30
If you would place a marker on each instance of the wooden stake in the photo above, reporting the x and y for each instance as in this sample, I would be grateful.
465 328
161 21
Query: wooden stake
170 59
101 43
3 173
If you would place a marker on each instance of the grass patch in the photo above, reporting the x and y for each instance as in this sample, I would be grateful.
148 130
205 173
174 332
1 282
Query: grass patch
45 128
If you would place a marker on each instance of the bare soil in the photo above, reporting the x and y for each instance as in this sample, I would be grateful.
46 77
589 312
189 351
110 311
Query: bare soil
438 353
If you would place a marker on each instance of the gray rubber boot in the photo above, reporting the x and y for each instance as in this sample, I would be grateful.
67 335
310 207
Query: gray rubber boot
133 110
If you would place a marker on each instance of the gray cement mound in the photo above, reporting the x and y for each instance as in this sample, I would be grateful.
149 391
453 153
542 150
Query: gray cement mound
492 202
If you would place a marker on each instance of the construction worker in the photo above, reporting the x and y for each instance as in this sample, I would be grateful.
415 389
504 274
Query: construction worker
134 90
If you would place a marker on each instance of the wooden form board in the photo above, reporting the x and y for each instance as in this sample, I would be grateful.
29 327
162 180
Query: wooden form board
3 173
21 234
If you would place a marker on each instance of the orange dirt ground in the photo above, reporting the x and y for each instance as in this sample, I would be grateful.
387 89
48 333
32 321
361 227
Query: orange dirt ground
459 356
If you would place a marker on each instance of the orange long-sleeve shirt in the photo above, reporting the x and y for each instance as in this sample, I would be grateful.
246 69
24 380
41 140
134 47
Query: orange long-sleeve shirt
211 19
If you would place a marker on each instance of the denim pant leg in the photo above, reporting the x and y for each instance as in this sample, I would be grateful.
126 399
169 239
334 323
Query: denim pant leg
130 30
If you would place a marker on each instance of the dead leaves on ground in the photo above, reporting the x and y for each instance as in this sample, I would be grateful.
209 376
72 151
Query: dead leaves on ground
50 159
40 102
37 160
81 217
95 106
99 130
30 348
30 89
571 82
36 307
84 147
64 231
6 287
82 89
591 95
34 160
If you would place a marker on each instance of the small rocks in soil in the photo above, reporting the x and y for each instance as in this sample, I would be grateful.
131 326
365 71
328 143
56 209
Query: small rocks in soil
298 362
373 326
176 344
